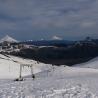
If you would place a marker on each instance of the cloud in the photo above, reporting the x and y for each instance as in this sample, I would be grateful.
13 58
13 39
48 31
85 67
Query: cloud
75 17
88 24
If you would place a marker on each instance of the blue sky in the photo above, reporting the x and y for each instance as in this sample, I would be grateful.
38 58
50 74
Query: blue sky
43 19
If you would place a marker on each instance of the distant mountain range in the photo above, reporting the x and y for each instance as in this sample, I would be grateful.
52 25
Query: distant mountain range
49 42
53 42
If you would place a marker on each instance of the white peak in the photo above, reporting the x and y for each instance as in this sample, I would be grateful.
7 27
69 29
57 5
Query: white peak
56 38
8 39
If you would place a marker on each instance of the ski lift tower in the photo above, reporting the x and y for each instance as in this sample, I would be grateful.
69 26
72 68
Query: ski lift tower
22 65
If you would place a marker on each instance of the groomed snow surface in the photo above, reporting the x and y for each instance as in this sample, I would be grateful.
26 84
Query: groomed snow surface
50 81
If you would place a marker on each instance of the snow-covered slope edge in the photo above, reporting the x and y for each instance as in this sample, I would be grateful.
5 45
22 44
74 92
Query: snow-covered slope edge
90 64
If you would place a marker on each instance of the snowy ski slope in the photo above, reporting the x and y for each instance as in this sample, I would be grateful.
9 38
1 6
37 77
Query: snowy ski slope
50 81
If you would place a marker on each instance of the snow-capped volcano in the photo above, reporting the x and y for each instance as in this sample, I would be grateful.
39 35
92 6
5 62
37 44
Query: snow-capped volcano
8 39
56 38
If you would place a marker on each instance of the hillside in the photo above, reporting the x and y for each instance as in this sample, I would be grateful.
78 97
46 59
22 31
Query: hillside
69 55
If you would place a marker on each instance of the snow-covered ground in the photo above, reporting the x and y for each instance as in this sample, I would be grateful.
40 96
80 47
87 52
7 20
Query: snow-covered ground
50 81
